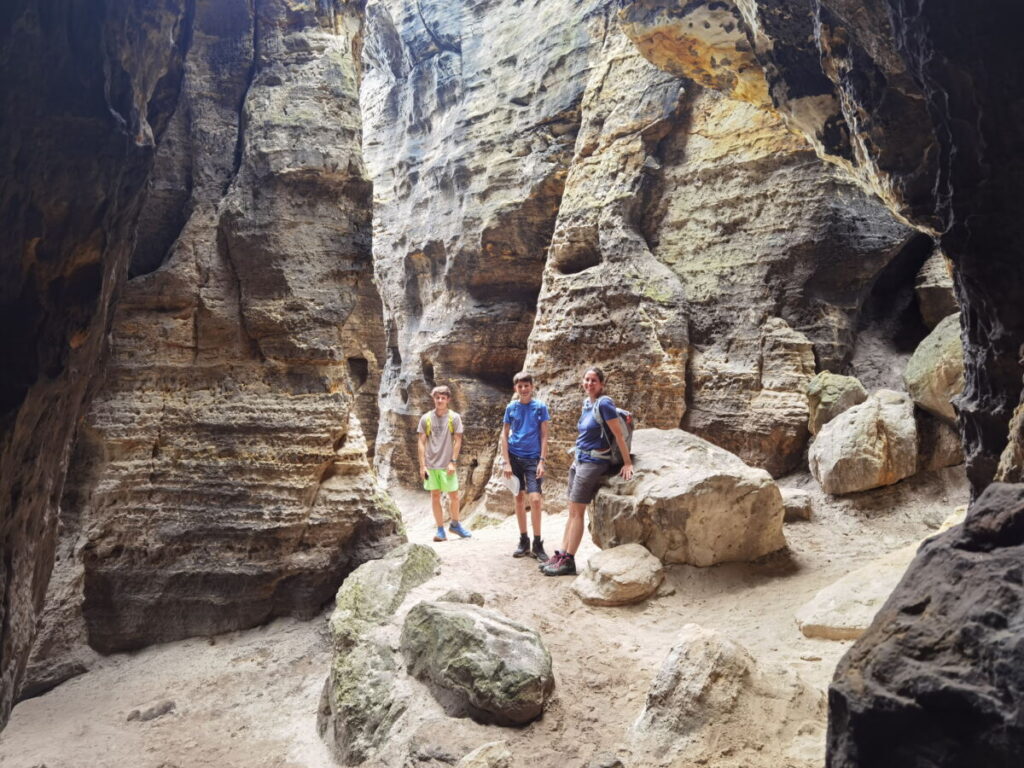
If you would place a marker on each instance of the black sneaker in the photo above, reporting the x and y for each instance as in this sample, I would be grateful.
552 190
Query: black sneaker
559 554
538 550
524 546
566 566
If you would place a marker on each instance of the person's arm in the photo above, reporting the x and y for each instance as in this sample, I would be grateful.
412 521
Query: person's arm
627 462
507 472
543 448
456 450
421 451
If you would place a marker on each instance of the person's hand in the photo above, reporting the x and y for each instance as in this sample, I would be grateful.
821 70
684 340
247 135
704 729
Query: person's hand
626 473
540 470
423 473
451 467
506 472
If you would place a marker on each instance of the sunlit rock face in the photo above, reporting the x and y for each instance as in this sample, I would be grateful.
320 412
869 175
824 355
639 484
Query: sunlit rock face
107 78
230 479
470 116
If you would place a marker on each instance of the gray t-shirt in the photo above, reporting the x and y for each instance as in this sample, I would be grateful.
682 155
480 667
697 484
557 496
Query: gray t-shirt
438 450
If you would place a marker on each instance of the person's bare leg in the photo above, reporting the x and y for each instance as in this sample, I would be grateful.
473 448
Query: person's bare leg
574 528
453 506
435 505
536 503
521 511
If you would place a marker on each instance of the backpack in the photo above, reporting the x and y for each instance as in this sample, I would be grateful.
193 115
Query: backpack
451 424
625 424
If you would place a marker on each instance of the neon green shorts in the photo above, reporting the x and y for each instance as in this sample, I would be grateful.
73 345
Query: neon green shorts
440 480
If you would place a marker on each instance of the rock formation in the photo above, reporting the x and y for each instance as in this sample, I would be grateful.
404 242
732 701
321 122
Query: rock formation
478 662
85 100
937 680
712 703
229 478
934 288
828 395
868 446
619 576
689 502
935 373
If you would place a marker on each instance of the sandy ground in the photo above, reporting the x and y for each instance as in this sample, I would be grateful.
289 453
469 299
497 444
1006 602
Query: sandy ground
249 699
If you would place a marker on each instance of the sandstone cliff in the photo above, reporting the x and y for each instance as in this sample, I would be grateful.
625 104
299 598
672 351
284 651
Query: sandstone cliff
229 477
84 101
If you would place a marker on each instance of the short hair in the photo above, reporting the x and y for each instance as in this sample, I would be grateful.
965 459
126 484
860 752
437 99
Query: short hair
522 376
442 390
596 371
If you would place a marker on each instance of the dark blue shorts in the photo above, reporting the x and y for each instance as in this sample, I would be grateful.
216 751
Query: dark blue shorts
526 471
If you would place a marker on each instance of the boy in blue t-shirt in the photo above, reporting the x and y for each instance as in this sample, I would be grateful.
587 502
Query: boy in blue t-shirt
524 447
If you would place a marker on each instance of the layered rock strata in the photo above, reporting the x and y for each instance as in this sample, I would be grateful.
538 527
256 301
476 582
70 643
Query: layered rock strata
87 92
470 117
230 477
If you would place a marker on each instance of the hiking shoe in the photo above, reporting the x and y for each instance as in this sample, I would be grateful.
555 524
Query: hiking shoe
457 528
538 551
439 536
555 560
524 546
566 567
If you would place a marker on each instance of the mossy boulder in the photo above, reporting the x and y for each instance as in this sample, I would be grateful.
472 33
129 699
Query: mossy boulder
935 372
828 395
478 662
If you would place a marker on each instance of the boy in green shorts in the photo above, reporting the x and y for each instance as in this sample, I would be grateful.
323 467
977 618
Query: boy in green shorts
439 444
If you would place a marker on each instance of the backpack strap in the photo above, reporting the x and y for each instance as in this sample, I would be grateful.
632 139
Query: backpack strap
427 430
451 423
606 454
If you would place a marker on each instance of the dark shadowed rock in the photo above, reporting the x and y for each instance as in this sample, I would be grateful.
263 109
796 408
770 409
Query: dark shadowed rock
938 679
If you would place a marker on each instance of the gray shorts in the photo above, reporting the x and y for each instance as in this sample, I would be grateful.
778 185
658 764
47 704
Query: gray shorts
585 477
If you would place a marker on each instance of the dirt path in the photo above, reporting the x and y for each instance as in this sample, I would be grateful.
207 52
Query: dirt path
249 699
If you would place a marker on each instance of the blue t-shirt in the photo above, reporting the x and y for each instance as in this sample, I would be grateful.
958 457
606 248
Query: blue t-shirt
591 437
524 420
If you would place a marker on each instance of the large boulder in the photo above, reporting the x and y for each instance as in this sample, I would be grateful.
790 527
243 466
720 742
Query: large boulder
360 702
712 703
478 662
939 442
934 288
870 445
937 681
828 395
689 502
935 372
619 576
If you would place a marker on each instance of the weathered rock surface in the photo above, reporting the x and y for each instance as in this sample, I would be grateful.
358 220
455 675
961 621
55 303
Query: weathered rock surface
939 444
619 576
868 446
493 755
712 703
937 679
936 298
844 610
689 502
478 662
360 702
470 117
797 503
828 395
230 478
935 373
85 98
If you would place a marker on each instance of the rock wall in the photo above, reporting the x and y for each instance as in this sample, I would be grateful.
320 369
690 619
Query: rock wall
230 446
905 96
470 118
106 74
706 259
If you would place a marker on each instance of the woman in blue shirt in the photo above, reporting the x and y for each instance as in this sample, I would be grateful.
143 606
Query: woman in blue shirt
591 465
